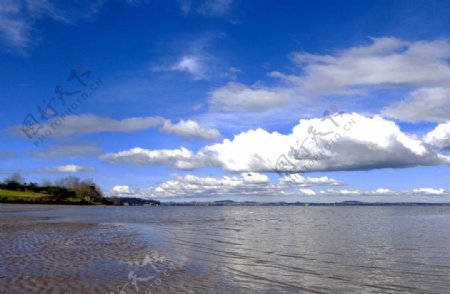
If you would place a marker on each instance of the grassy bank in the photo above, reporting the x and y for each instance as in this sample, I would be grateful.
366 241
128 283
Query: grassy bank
7 196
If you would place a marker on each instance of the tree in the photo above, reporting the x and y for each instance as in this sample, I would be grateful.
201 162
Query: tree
15 178
88 191
69 182
33 187
14 182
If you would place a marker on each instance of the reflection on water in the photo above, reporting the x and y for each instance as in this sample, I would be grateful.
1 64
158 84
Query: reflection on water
292 249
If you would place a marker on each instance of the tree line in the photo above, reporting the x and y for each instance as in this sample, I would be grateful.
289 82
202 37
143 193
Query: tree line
61 190
67 190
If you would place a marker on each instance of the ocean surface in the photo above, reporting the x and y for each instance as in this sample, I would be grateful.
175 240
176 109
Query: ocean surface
402 249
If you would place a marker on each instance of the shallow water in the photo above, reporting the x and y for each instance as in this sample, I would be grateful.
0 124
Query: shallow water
278 249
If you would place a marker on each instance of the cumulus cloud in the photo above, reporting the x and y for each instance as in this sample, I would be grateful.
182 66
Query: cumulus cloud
239 97
343 142
69 168
359 143
349 192
246 184
190 185
430 191
122 190
307 192
440 136
382 191
254 184
228 186
297 179
190 129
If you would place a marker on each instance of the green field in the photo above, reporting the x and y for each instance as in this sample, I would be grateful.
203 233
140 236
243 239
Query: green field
19 195
7 196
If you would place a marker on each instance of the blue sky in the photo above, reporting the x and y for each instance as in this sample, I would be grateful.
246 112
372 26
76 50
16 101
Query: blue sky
200 100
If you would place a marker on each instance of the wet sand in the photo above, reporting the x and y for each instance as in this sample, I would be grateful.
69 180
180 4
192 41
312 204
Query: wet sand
38 256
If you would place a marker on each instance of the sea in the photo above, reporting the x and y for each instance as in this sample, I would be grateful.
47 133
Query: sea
279 249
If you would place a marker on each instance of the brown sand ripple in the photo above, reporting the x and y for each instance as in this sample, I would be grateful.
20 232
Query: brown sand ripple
65 257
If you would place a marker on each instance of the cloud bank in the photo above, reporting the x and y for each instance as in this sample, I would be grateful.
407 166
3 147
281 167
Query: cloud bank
339 143
85 124
420 67
255 184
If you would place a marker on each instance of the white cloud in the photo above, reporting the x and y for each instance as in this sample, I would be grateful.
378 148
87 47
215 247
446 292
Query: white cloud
247 184
190 129
359 143
255 178
429 191
297 179
307 192
194 65
387 192
178 158
122 190
425 104
349 192
14 31
382 191
239 97
386 62
192 186
197 65
440 136
369 143
69 168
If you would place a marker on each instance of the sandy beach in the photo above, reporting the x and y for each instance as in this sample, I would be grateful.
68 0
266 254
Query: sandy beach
49 257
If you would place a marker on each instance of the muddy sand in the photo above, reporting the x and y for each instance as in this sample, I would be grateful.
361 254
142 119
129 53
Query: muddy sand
38 256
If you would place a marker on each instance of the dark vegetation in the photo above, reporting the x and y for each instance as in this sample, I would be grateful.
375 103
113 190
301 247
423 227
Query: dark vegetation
68 190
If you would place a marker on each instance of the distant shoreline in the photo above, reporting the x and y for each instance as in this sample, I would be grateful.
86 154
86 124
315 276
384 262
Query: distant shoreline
306 204
232 203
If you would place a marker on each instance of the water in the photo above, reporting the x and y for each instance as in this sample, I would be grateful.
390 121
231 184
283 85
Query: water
291 249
